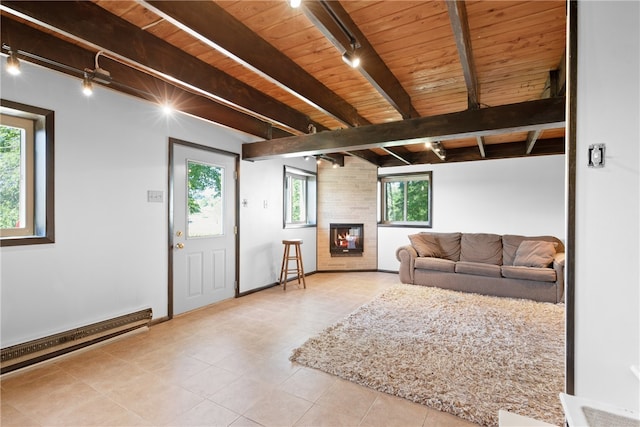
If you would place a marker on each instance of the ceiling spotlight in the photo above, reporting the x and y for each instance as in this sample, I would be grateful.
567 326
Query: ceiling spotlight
427 144
87 86
295 3
13 64
167 109
351 59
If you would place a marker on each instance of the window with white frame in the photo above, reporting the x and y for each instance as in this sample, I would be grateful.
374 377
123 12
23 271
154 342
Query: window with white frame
299 198
406 199
26 174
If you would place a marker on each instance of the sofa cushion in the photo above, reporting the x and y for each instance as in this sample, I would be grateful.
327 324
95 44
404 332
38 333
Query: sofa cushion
535 254
481 247
446 244
436 264
426 245
529 273
478 269
511 242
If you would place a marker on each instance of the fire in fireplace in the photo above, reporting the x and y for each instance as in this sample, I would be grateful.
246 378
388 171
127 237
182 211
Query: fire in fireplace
346 238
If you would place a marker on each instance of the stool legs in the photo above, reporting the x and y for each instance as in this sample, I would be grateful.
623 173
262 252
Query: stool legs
285 269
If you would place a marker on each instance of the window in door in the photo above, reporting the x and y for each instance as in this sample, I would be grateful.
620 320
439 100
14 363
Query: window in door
205 210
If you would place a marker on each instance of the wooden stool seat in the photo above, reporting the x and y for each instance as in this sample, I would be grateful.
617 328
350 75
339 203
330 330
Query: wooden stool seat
286 258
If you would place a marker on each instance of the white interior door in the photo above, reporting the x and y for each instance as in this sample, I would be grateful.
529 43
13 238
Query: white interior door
204 228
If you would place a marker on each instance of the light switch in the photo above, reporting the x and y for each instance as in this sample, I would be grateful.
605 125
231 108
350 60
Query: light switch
155 196
596 156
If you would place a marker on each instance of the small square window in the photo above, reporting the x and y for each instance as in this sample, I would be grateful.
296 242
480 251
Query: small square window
406 199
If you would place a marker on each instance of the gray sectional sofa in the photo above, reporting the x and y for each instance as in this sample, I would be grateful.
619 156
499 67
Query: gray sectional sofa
508 266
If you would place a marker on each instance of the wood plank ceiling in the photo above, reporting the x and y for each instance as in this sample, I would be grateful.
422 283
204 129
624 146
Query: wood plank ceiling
473 79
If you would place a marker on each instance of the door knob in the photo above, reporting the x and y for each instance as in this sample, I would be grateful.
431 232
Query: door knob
180 245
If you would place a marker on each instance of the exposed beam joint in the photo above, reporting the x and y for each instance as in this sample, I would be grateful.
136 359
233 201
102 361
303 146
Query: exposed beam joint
556 83
526 116
393 152
460 26
335 22
532 137
480 141
214 26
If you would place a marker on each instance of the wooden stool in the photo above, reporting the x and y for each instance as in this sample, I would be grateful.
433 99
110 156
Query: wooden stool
298 270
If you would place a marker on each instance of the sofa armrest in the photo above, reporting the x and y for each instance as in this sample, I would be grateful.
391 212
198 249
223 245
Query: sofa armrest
558 266
407 256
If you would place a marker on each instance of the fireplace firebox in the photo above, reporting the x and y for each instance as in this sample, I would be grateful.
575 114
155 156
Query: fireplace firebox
346 239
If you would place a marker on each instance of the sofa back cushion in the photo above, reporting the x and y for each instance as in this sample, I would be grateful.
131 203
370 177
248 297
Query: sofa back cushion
511 243
534 253
438 245
481 247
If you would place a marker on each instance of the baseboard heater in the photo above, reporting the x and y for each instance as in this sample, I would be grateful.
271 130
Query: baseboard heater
31 352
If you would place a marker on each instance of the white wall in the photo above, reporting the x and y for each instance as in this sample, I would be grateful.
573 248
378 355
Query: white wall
607 288
507 196
110 254
262 233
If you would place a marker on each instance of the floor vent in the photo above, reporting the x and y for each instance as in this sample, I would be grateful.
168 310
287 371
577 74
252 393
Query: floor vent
31 352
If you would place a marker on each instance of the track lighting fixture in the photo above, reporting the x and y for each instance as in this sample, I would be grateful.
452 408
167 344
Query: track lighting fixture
321 157
351 59
87 86
439 150
13 64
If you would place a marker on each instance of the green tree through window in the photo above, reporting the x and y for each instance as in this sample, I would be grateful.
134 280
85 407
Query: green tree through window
299 198
10 167
406 199
202 177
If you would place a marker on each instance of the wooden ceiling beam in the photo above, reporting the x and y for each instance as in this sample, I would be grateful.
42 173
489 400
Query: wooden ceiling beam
334 22
460 25
97 29
532 115
214 26
509 150
54 53
555 86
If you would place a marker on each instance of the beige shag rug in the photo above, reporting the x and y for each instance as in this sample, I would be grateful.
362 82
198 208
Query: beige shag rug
466 354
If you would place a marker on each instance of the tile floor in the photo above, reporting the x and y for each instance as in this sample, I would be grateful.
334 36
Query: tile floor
223 365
